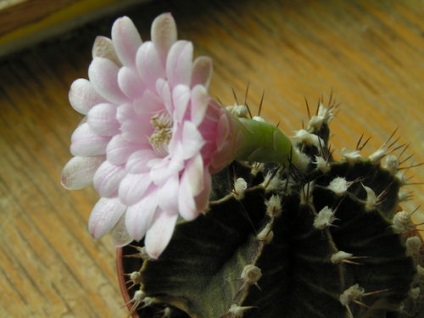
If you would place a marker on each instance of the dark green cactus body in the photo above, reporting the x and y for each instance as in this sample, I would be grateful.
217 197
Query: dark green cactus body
327 249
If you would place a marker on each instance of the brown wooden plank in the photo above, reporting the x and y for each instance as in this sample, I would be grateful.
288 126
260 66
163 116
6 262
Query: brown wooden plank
28 12
25 23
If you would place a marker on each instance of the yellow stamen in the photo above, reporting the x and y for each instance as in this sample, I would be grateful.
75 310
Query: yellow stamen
162 133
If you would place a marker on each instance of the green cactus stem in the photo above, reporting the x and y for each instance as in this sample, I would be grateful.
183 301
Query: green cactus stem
266 143
277 241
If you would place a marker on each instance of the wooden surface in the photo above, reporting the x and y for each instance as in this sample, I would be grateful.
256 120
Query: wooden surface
370 54
26 22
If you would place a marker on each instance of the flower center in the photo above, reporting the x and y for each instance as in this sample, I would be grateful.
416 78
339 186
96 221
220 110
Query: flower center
162 133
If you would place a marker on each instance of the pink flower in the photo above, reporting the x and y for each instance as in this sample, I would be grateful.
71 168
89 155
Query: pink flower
151 136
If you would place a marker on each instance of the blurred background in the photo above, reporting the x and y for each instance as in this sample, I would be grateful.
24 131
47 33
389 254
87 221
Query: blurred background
369 55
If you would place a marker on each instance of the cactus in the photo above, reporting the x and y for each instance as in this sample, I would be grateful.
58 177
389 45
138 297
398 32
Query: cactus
288 231
329 241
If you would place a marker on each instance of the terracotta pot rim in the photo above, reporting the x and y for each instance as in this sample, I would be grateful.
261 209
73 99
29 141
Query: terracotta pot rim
122 282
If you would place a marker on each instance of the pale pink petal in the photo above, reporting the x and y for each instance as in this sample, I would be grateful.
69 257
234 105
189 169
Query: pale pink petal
164 91
137 130
174 146
199 104
120 235
179 63
131 83
148 104
103 47
83 96
149 65
118 150
223 153
126 40
164 34
104 216
189 185
202 71
168 194
133 187
79 172
103 74
195 188
86 143
186 203
138 161
107 179
165 168
139 217
227 141
192 141
160 232
125 112
224 129
181 98
202 199
102 119
193 174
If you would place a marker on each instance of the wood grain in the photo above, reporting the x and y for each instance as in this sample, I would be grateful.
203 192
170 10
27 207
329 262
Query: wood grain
25 23
369 54
27 12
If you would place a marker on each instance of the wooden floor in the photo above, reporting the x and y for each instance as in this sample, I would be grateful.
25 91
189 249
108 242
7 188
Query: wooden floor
368 54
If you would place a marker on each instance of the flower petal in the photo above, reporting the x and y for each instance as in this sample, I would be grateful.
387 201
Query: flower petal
83 96
133 187
181 99
125 112
224 129
199 104
107 179
139 217
79 172
149 65
192 141
148 104
189 206
193 174
168 194
164 34
120 235
186 203
179 63
137 130
226 143
104 216
118 150
103 47
126 40
202 71
160 232
103 74
138 161
164 91
202 198
86 143
164 168
194 181
130 83
102 119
